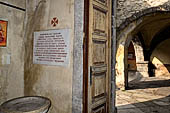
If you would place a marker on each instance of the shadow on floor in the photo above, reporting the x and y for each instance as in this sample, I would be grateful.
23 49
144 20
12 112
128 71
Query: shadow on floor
149 84
161 105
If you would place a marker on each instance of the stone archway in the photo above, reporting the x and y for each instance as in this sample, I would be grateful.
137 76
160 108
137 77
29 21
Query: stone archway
127 31
141 64
122 61
139 67
159 54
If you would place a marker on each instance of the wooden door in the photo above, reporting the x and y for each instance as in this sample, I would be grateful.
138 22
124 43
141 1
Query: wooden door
97 56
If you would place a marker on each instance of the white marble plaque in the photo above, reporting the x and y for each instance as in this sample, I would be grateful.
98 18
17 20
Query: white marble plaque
51 47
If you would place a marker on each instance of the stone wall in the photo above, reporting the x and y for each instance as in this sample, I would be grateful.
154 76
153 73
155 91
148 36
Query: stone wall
12 56
54 82
127 8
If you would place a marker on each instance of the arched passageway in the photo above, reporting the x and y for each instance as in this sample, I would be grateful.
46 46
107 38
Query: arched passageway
137 67
132 68
146 31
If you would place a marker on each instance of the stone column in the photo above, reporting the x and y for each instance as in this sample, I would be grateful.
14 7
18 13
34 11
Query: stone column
142 68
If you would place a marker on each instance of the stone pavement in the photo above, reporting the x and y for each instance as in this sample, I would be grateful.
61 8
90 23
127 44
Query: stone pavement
150 95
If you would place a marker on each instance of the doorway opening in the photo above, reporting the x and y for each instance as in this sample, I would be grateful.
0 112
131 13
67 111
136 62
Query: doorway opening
142 54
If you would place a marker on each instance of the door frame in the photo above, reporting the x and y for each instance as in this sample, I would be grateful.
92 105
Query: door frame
85 56
85 59
79 81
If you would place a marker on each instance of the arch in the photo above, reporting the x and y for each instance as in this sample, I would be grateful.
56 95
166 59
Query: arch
131 62
160 58
159 37
138 49
141 64
146 12
128 30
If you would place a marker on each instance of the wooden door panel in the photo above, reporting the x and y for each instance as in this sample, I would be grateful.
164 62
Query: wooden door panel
99 37
103 2
100 109
99 52
99 20
98 86
98 56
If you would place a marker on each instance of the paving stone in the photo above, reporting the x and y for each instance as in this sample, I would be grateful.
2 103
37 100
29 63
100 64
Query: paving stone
129 106
161 103
130 111
145 99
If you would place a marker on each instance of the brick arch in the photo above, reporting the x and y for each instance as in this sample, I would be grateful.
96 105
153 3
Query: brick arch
125 32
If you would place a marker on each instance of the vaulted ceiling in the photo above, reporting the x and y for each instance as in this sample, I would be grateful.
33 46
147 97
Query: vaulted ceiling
152 26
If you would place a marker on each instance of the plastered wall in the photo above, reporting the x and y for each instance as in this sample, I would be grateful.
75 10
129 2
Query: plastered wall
12 56
54 82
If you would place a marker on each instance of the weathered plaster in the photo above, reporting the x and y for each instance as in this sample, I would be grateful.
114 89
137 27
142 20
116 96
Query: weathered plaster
12 75
17 3
54 82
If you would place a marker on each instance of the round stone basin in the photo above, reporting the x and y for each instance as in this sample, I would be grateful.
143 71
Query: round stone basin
32 104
